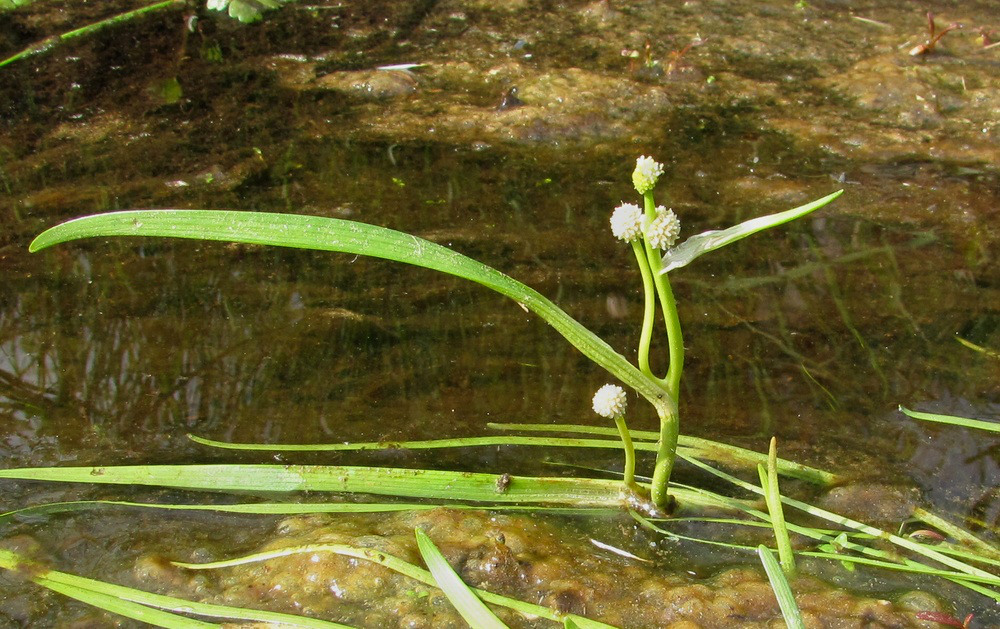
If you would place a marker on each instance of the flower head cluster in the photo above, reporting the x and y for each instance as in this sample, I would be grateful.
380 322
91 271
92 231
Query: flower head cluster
610 401
626 222
663 231
647 171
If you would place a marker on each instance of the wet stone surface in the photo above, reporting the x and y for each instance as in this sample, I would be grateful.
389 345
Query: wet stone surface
516 556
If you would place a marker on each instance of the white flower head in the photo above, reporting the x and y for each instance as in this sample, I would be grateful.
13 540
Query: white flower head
663 231
610 401
647 171
626 222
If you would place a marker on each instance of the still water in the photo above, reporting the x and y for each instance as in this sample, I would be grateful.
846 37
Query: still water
111 352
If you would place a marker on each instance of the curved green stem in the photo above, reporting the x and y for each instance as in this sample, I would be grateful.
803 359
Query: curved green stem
649 307
668 304
629 471
675 339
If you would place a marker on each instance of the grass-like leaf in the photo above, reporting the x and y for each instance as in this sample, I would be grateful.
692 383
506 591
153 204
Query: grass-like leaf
290 508
154 609
696 246
384 481
694 447
772 496
967 575
489 489
332 234
465 601
51 42
978 348
786 600
953 420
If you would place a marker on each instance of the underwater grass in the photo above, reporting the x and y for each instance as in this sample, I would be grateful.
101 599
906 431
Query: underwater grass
772 496
418 483
155 609
782 590
461 596
642 440
952 420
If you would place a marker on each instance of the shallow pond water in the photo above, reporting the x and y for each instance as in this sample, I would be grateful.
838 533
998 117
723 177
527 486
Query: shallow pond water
111 352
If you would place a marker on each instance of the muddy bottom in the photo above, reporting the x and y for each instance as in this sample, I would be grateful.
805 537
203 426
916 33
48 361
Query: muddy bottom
517 556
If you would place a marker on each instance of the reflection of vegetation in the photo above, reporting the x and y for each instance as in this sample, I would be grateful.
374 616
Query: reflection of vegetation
242 10
50 42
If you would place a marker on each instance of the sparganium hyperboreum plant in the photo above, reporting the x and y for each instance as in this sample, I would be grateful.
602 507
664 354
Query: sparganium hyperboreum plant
651 230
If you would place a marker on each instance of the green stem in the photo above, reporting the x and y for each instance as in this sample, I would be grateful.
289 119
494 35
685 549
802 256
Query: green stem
649 307
666 452
50 42
629 471
675 338
668 304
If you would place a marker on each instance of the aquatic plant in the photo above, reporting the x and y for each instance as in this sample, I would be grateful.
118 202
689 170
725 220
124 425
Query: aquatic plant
933 36
651 231
244 10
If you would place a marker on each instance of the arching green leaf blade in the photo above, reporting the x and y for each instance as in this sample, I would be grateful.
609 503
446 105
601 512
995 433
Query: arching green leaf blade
332 234
473 610
695 246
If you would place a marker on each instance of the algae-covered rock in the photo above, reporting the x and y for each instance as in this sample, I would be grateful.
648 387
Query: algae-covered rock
521 557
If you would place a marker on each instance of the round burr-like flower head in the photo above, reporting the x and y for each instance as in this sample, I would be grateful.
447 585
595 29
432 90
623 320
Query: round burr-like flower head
663 231
610 401
647 171
626 222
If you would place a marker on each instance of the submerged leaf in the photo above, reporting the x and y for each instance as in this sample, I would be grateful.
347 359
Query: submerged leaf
695 246
954 420
153 609
473 610
782 590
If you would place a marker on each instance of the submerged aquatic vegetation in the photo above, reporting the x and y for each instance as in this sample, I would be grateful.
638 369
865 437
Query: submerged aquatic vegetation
933 36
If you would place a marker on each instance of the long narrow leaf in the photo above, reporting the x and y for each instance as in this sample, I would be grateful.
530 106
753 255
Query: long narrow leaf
953 420
786 600
339 478
696 246
147 606
287 508
428 444
51 42
332 234
473 610
436 484
772 496
692 446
